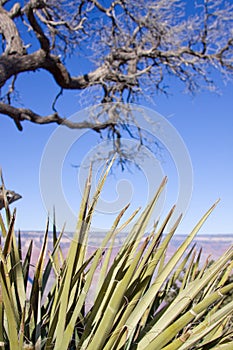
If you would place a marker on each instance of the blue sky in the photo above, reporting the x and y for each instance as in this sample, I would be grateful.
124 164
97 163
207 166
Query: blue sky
206 125
204 122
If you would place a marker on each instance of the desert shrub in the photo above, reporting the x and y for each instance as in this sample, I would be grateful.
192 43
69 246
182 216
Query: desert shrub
142 300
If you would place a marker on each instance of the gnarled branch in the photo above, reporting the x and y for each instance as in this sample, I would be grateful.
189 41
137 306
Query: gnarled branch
9 31
21 114
133 47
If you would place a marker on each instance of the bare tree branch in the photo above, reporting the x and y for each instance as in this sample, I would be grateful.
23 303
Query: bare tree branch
10 33
130 46
21 114
13 65
29 8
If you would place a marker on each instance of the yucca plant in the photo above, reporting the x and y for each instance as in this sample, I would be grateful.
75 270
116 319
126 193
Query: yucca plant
133 306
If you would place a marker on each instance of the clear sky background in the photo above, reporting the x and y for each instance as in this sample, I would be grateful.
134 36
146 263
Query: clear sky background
204 121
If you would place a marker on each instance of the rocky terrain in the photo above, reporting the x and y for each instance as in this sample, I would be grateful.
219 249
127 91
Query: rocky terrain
212 245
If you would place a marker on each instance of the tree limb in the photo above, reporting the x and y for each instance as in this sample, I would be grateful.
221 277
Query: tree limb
9 31
21 114
44 41
134 46
13 65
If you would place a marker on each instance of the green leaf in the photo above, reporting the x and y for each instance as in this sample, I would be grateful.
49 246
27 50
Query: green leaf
9 310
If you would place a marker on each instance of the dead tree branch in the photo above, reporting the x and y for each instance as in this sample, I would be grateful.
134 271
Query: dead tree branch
128 46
